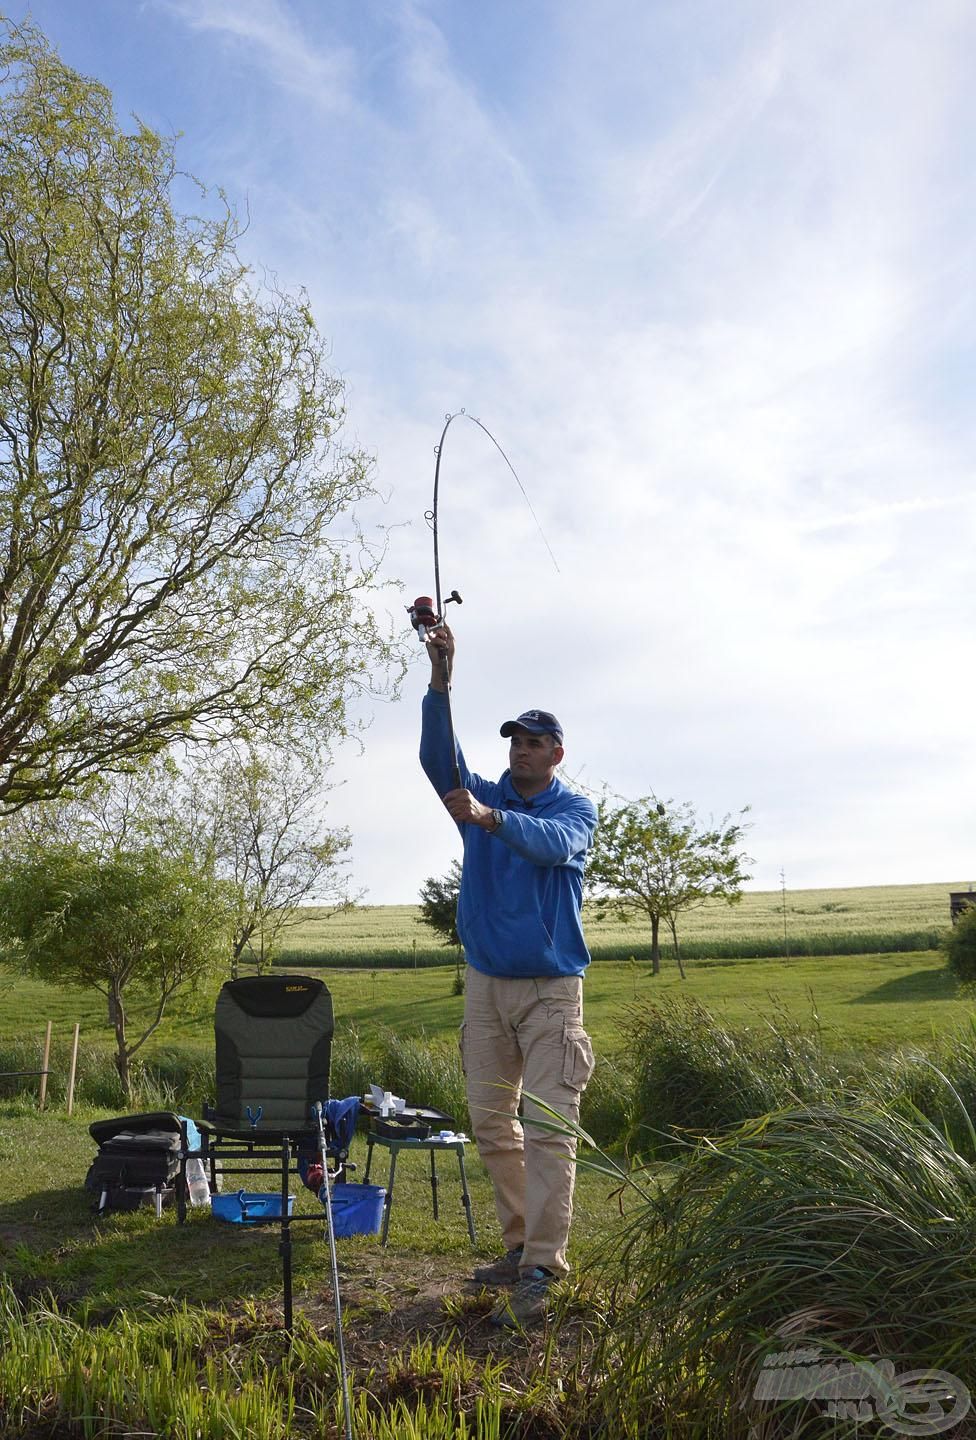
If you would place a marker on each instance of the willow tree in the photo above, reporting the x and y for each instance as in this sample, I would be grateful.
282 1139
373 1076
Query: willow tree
178 554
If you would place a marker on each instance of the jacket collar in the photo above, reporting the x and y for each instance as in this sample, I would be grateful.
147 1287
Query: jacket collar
537 802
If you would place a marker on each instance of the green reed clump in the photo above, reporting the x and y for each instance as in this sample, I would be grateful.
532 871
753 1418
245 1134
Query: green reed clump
692 1073
959 945
607 1103
846 1231
96 1078
168 1375
352 1068
939 1083
177 1078
425 1072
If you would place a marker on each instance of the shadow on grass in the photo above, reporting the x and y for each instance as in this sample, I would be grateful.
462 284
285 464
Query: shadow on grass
51 1240
909 989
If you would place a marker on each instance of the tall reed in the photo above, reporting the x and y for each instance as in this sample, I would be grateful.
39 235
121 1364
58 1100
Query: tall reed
691 1073
837 1231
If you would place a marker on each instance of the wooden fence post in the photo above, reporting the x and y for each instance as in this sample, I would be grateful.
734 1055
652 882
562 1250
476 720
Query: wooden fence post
71 1072
44 1066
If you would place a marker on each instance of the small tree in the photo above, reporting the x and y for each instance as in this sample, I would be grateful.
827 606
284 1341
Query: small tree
653 859
959 946
438 909
137 926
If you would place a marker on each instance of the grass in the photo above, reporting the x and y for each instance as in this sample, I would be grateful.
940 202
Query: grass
197 1375
841 1226
691 1073
852 1037
147 1327
874 1002
878 1001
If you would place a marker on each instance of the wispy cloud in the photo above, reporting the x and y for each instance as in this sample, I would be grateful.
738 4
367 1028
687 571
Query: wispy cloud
324 74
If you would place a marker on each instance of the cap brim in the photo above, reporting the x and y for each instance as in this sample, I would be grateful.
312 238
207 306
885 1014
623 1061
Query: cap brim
510 727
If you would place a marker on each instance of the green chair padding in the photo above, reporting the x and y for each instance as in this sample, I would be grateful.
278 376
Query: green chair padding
273 1052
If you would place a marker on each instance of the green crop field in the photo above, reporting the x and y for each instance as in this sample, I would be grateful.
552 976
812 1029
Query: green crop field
382 931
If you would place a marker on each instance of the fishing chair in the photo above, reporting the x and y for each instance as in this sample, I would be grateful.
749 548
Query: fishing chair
273 1036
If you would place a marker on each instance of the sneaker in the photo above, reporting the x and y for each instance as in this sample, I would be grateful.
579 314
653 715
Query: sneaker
528 1302
503 1271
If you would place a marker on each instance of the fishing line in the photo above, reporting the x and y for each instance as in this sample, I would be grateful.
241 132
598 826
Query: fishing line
427 614
431 515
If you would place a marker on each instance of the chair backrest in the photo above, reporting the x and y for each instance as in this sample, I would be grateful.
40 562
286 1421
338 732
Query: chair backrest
273 1052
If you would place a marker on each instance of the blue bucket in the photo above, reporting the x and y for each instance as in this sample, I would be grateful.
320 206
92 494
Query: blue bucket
244 1209
357 1209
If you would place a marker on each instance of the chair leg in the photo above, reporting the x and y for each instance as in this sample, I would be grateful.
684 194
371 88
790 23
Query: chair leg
181 1191
181 1181
284 1246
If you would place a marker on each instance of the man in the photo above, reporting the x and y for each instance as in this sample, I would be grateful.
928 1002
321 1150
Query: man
525 840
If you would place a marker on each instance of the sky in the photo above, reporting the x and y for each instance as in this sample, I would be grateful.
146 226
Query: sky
704 268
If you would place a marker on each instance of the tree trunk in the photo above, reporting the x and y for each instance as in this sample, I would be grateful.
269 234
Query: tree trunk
241 939
116 1011
677 950
655 945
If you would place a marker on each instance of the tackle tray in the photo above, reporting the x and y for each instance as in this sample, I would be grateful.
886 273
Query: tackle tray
395 1128
411 1123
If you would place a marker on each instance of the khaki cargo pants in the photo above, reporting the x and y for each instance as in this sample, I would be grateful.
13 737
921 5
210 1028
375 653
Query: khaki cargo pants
526 1034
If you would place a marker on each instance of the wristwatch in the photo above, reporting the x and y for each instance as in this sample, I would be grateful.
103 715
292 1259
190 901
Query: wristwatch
497 817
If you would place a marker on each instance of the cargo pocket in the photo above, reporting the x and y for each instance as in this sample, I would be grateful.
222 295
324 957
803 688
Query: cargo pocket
578 1059
460 1045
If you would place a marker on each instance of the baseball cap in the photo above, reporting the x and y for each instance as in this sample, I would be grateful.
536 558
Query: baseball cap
537 722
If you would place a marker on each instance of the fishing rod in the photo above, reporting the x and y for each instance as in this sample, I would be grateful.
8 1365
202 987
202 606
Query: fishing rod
326 1195
427 612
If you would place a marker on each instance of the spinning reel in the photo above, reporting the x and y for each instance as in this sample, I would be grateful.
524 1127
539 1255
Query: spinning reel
424 617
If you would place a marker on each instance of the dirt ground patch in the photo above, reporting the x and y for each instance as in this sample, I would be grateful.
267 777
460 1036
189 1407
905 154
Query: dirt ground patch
391 1302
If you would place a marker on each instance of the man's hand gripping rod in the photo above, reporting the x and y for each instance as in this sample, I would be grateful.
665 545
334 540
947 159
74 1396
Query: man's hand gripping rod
424 618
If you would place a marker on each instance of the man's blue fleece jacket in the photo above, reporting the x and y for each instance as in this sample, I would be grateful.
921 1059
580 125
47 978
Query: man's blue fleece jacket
522 886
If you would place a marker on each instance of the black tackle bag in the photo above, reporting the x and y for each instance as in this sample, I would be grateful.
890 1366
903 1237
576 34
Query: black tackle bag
138 1162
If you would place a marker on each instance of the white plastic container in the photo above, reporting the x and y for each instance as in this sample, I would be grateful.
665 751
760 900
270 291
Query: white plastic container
196 1181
